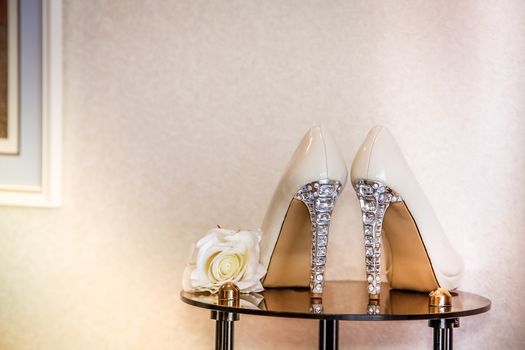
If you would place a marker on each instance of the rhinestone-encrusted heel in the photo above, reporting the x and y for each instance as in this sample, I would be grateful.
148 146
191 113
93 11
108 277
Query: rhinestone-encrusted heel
320 197
373 307
374 199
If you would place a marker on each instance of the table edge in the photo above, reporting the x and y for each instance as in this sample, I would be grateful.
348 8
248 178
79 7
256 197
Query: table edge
339 317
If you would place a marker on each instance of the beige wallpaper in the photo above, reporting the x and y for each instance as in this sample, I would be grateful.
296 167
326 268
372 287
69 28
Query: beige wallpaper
180 115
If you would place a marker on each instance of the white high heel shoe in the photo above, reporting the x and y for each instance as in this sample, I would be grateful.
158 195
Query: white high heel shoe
296 225
421 256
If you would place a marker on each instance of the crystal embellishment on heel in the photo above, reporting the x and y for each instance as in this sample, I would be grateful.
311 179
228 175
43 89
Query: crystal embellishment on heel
319 197
373 307
374 199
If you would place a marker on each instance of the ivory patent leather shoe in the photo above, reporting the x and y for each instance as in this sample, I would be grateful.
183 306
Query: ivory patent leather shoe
421 258
296 225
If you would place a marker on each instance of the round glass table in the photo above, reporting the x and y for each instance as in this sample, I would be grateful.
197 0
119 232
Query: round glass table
342 301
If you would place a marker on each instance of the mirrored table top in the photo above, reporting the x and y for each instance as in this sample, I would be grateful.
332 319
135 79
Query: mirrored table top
344 300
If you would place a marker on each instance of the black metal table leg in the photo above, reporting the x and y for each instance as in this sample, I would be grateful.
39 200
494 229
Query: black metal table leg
328 334
224 329
443 332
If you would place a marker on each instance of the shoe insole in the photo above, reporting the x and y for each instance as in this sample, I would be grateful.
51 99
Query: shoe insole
410 265
290 262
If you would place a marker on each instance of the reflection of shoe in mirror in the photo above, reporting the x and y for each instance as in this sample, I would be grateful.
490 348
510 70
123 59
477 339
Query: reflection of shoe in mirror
317 306
392 202
374 308
296 225
296 300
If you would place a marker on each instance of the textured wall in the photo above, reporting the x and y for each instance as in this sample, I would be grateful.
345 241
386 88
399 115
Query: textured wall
180 115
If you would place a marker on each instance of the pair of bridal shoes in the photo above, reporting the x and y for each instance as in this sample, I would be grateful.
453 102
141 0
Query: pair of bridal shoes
394 210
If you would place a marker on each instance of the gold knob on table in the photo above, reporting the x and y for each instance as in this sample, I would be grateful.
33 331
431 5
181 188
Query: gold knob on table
440 298
229 295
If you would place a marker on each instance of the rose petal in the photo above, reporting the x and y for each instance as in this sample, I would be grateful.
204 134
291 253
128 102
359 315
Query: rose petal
225 255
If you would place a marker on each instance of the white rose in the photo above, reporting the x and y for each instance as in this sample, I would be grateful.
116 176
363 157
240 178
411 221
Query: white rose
225 256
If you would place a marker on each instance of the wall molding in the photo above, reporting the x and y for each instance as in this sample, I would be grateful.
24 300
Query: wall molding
49 193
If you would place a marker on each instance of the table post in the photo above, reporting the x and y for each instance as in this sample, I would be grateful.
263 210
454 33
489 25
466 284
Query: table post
224 329
443 332
328 334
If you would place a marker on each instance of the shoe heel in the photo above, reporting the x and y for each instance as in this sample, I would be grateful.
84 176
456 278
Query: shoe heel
319 197
374 199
